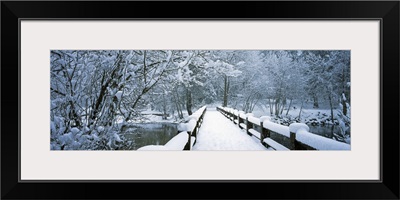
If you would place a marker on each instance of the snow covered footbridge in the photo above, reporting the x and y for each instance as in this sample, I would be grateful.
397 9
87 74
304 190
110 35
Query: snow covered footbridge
228 129
218 133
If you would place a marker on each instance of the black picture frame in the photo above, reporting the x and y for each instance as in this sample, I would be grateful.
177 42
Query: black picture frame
386 11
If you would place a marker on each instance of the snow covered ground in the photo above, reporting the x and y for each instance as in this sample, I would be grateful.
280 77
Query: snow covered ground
151 116
309 115
221 134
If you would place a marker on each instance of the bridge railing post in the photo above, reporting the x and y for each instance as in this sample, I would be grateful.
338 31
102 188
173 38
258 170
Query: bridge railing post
240 120
189 143
194 133
233 116
194 130
249 125
265 133
292 141
238 117
293 128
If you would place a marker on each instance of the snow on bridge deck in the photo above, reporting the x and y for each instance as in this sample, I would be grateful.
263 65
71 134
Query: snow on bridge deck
218 133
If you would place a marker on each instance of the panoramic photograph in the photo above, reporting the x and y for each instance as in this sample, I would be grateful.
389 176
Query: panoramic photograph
200 100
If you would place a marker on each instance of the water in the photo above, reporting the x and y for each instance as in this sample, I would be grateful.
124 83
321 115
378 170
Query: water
328 131
139 135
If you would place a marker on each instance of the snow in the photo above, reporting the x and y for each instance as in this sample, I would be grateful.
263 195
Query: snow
249 114
75 130
151 112
302 135
190 125
240 63
119 95
200 111
243 125
52 127
193 117
178 142
192 140
192 120
254 120
242 116
70 72
275 145
100 129
116 137
255 133
95 137
293 128
66 138
219 133
319 142
235 112
260 76
263 118
281 129
182 127
153 148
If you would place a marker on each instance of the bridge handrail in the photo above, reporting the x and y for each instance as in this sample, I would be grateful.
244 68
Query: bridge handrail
177 143
298 133
193 125
185 139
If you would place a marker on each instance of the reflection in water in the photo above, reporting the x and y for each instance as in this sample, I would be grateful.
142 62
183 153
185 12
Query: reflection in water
328 131
139 135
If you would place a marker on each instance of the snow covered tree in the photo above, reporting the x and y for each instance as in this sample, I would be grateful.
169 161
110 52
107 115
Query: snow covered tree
280 66
96 94
224 64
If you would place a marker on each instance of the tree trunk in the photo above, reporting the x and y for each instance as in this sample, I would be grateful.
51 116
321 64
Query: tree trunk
226 90
344 105
331 105
301 108
290 104
270 106
177 105
246 104
277 106
189 101
164 108
74 116
282 106
316 104
103 90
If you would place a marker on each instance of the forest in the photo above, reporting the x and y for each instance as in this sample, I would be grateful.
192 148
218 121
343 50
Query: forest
97 94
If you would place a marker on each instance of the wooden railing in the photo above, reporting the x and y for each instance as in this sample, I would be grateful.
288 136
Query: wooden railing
187 134
296 136
193 125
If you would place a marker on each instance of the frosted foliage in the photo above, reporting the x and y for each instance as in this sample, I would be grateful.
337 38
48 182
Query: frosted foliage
96 94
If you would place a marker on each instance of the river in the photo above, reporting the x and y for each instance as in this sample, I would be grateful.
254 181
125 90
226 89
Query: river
139 135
